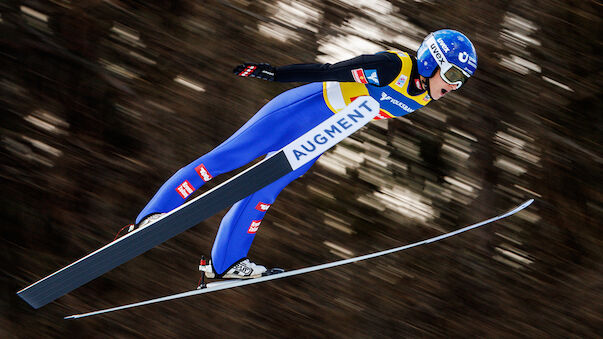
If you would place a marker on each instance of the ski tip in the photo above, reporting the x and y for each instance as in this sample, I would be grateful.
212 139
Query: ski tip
527 203
521 207
70 317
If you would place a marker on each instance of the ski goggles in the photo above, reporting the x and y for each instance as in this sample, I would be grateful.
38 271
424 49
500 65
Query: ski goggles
453 75
449 72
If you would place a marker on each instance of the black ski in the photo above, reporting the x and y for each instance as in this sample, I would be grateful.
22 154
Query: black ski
291 157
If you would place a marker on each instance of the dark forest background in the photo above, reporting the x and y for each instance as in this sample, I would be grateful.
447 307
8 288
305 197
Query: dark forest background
97 113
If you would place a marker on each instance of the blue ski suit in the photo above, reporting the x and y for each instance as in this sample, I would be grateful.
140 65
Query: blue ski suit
280 121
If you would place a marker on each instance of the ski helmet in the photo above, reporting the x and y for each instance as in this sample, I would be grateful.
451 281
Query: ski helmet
452 52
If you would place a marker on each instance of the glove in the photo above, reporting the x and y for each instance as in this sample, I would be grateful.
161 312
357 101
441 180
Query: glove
263 71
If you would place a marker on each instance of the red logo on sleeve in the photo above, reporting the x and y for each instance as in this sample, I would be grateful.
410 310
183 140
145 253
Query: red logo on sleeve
262 207
185 189
254 226
203 173
359 76
248 70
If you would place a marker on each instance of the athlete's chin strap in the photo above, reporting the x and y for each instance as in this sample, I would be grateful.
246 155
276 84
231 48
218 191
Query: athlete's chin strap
426 85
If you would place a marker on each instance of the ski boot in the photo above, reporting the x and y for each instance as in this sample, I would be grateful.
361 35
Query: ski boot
242 269
151 218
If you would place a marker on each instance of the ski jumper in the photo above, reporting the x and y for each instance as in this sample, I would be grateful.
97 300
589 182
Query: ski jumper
389 77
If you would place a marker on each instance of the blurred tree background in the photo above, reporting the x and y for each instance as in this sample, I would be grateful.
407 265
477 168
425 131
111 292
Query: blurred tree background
103 100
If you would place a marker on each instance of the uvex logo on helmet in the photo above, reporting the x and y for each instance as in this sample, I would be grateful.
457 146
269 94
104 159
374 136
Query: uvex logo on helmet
443 44
437 54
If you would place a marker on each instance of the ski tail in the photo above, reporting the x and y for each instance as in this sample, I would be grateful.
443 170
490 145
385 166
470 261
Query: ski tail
238 283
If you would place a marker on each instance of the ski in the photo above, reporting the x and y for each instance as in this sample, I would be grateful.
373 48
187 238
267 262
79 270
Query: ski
222 285
294 155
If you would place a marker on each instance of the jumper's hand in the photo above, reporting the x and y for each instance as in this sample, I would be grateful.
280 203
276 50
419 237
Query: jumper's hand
263 71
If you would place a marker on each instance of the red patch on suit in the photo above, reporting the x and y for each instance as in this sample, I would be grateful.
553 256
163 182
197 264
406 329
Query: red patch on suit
185 189
203 173
255 225
262 206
